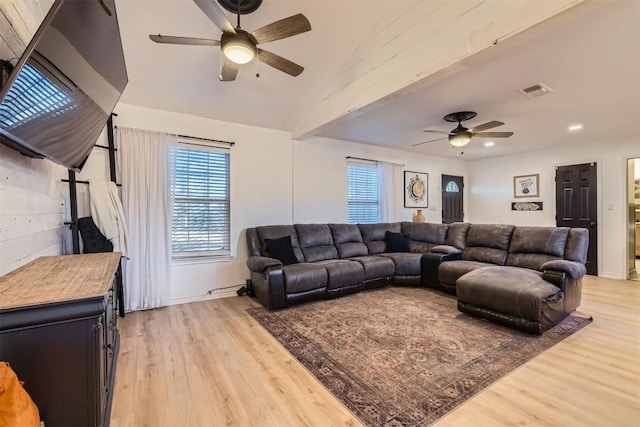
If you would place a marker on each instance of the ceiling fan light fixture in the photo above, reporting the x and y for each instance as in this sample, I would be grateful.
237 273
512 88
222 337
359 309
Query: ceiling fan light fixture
238 50
459 139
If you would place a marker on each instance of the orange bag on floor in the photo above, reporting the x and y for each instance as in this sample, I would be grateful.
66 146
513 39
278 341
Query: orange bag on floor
16 407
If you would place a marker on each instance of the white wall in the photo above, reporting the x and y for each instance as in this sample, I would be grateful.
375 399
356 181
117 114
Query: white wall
320 178
491 192
261 191
31 209
31 194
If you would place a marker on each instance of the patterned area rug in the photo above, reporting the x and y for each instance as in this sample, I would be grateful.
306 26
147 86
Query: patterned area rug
403 356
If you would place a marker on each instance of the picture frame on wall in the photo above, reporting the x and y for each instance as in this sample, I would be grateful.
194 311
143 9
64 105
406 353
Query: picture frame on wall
416 189
526 186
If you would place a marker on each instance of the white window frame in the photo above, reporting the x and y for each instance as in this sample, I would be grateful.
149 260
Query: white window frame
363 199
224 252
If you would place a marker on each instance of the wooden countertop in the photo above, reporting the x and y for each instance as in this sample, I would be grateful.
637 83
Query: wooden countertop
58 278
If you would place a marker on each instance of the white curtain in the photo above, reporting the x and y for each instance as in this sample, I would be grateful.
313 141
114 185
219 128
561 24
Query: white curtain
390 190
143 159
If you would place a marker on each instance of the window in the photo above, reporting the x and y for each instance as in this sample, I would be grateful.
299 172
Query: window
362 193
452 187
200 185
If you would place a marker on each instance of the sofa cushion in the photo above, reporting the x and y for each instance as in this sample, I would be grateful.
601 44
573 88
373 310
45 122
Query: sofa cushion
530 261
514 291
488 243
342 273
495 236
275 232
539 240
406 264
577 245
531 247
373 235
304 277
450 271
397 242
281 250
348 240
424 235
482 254
316 242
457 234
376 267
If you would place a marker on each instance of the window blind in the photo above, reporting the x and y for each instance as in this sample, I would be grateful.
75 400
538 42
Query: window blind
31 96
362 193
200 185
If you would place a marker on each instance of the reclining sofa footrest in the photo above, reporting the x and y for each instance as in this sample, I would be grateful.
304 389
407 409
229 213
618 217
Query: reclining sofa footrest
526 325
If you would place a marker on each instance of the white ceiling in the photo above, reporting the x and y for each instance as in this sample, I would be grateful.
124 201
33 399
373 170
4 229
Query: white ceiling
589 55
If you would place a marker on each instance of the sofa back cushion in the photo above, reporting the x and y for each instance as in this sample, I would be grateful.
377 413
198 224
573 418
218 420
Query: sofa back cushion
276 232
533 246
373 235
316 242
457 234
577 245
424 235
348 240
488 243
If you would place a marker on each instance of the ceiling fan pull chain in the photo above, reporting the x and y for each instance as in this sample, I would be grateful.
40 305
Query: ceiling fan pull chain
257 66
238 13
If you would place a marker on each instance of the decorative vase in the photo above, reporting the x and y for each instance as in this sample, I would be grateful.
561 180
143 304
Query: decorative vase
418 217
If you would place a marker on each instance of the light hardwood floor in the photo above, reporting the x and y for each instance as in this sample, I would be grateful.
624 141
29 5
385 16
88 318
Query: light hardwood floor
210 364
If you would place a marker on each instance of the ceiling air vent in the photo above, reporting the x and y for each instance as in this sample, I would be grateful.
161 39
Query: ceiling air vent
536 90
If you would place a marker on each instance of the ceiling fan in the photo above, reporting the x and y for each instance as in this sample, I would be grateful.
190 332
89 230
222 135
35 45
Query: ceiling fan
460 136
239 46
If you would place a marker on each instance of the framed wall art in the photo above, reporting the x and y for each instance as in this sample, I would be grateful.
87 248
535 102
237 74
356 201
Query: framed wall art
526 186
416 189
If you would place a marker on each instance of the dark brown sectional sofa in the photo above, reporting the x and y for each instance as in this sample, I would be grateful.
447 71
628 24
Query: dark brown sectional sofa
526 277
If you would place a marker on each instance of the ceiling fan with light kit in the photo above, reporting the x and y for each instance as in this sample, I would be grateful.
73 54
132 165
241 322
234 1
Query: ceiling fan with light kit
239 46
461 136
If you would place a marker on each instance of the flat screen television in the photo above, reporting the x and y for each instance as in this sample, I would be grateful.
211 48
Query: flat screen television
60 94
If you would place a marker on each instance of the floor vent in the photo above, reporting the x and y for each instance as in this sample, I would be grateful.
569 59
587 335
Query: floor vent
536 90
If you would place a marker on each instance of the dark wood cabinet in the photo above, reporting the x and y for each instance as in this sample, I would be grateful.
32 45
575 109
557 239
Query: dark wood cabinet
58 331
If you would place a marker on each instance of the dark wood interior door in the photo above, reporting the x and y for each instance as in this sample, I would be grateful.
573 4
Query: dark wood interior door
452 191
577 204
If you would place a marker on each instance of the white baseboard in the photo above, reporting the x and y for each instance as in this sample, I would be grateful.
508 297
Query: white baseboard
224 293
611 276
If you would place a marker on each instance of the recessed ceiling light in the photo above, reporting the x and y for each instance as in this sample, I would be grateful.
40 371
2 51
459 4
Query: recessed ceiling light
489 144
575 127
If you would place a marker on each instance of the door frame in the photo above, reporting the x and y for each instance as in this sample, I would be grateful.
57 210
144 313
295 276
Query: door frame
598 163
624 213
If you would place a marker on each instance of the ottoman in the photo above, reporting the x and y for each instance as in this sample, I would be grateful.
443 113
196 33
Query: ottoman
517 297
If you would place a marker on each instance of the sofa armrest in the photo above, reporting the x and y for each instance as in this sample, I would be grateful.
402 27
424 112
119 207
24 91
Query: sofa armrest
573 270
260 263
446 249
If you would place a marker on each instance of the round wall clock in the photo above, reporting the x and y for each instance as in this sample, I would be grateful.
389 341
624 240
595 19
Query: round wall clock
416 188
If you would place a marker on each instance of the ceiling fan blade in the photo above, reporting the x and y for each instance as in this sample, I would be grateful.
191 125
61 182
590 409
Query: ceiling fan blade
279 63
282 29
229 70
426 142
493 134
436 131
488 125
159 38
217 16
